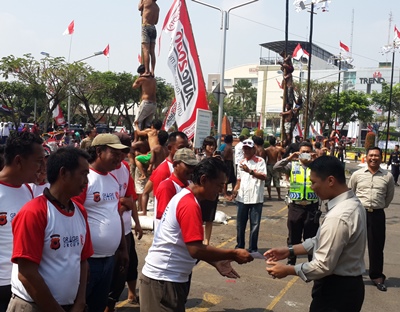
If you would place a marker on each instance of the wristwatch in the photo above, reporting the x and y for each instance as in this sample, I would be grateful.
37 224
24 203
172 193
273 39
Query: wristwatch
291 251
251 172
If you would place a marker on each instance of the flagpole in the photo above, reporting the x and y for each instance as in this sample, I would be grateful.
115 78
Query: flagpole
309 73
70 46
390 101
338 92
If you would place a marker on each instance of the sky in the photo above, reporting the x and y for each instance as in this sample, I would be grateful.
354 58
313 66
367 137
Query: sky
28 26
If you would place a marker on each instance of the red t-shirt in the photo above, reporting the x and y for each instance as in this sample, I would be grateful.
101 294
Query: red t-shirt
162 172
165 191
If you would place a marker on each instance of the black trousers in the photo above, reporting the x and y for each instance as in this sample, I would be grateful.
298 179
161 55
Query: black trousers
395 172
5 296
336 293
376 234
301 224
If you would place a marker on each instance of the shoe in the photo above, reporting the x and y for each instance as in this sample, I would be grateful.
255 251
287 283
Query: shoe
381 285
397 184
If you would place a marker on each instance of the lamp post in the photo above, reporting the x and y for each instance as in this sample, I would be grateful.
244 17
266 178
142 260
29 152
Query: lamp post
224 27
393 50
69 93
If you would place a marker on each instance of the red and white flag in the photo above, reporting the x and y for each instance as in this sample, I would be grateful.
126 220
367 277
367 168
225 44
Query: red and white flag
106 51
396 35
190 89
297 130
139 58
344 47
169 120
70 29
299 52
279 84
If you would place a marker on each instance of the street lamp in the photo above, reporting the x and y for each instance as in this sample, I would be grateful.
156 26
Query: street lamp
69 93
224 27
391 48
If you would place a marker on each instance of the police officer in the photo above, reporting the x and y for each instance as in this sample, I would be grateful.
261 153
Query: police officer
394 160
303 212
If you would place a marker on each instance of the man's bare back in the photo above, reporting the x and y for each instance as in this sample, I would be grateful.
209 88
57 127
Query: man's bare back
159 153
273 154
260 152
152 136
148 85
150 11
228 152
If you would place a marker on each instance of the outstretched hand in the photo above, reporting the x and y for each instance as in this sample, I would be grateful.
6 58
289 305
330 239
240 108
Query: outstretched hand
276 269
243 256
276 254
224 268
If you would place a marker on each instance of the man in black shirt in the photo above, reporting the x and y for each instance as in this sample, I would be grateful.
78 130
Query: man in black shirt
394 160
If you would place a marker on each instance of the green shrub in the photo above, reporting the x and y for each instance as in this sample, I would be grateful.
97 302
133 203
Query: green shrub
245 132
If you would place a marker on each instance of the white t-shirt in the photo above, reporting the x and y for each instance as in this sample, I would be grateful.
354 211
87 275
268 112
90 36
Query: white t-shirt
37 190
57 241
101 201
251 189
168 258
11 201
238 153
126 188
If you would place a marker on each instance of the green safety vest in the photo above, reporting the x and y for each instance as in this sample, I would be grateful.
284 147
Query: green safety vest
300 184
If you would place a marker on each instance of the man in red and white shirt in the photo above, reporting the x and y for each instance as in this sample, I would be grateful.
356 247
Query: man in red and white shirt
176 140
127 198
101 201
178 242
249 194
184 162
52 241
24 158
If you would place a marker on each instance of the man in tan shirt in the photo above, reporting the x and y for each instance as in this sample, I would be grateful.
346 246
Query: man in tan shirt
90 135
150 12
374 187
338 248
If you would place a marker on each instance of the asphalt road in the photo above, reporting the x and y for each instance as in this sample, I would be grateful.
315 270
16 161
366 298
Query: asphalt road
256 291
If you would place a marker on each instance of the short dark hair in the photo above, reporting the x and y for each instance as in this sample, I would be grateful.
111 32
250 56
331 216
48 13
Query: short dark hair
92 151
326 166
258 140
162 137
141 69
209 140
228 138
211 167
374 148
20 143
173 135
317 145
242 138
272 141
157 124
67 157
305 143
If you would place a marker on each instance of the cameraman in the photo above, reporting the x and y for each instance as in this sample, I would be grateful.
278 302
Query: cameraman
303 212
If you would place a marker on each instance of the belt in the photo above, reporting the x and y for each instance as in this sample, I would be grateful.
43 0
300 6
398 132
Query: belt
395 164
304 202
369 209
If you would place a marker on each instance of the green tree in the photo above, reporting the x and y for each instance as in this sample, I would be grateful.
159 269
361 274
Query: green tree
352 105
381 99
318 93
244 95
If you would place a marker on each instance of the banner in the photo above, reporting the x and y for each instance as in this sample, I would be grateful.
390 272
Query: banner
169 120
189 86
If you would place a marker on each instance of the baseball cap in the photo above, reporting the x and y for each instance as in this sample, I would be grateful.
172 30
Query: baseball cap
111 140
248 143
186 155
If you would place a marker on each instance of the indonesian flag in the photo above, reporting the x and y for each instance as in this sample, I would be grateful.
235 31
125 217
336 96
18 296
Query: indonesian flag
190 90
70 29
298 53
297 130
58 115
106 51
396 35
169 120
344 47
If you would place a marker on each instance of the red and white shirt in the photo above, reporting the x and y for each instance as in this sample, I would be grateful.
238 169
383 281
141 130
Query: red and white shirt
57 241
12 198
126 189
165 191
162 172
251 189
168 258
101 201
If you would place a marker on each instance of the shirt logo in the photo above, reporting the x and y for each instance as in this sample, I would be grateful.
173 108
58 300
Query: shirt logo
55 241
3 218
96 197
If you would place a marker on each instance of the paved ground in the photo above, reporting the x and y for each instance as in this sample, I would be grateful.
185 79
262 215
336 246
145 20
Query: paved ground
256 291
